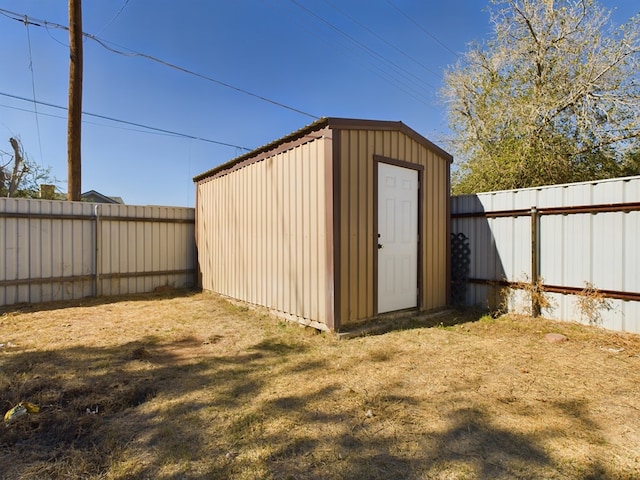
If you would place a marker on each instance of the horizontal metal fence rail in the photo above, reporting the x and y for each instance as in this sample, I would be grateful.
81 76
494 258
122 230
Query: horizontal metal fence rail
52 250
582 235
611 207
614 294
92 218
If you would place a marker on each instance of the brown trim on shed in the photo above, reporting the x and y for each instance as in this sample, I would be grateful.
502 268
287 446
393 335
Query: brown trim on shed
293 139
376 228
388 125
242 162
420 270
398 163
304 135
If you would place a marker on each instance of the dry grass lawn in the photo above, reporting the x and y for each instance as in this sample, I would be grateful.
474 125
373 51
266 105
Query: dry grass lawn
194 387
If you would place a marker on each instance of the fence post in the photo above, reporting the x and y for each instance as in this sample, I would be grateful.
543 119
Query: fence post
535 300
98 233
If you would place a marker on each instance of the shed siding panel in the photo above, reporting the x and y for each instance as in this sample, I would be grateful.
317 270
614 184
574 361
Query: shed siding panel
357 237
262 232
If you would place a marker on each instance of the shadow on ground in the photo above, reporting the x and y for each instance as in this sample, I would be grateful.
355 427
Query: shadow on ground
164 294
276 410
409 321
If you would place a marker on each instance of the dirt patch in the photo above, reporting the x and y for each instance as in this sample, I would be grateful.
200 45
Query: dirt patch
195 387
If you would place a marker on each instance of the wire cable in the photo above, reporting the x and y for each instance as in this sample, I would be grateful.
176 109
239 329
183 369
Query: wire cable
140 125
126 2
33 89
370 65
379 37
87 122
66 45
395 7
133 53
364 47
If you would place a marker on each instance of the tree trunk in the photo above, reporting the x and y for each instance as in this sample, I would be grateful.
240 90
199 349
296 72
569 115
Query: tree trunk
19 168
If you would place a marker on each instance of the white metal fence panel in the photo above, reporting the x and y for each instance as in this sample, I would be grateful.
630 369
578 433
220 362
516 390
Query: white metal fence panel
52 250
586 233
46 251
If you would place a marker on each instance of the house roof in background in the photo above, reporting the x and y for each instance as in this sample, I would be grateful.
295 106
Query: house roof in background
97 197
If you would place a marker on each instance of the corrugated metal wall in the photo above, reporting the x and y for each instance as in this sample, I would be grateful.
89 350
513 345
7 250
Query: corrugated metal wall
574 248
53 250
262 233
357 148
142 247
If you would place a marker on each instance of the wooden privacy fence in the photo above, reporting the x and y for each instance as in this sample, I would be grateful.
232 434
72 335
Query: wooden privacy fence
53 250
579 241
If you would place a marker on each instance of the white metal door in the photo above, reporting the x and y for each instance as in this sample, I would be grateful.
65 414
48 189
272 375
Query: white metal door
397 238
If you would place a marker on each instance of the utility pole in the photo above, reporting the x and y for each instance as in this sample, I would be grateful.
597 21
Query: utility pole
74 114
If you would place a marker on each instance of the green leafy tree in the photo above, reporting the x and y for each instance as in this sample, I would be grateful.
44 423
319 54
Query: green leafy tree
552 97
21 177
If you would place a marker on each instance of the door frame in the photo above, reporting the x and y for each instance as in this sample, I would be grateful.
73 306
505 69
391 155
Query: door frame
377 159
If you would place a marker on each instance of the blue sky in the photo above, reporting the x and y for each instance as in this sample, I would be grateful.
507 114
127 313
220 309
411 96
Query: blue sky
374 59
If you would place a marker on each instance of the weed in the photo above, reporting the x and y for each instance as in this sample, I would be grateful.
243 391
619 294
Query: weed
536 298
487 319
591 302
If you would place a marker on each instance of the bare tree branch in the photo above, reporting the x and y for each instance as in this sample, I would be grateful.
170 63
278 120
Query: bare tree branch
554 87
19 168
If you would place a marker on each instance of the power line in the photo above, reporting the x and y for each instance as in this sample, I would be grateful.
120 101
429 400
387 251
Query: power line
364 47
140 125
132 53
370 65
408 17
33 89
126 2
379 37
43 114
46 27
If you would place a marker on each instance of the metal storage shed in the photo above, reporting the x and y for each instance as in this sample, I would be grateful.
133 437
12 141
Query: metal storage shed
337 223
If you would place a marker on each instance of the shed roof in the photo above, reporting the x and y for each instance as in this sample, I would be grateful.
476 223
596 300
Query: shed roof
330 122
